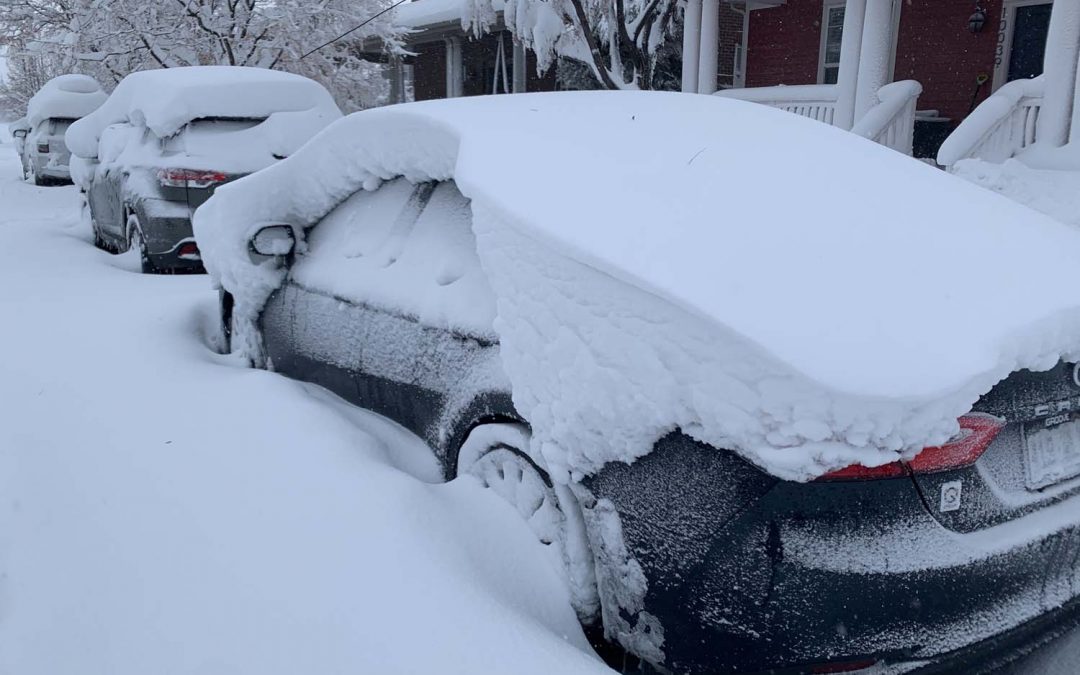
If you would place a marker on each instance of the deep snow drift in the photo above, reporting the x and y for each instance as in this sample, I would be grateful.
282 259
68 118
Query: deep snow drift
167 510
767 283
1055 192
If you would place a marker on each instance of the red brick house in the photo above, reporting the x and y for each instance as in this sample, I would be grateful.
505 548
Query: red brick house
959 50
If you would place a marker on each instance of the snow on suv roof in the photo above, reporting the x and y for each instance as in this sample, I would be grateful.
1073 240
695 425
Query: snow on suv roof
165 100
759 280
65 96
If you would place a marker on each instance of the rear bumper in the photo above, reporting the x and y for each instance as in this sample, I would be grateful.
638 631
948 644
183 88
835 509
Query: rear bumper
166 228
788 576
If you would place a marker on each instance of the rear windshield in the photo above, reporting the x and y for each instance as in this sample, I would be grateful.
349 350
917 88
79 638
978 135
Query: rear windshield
59 125
204 136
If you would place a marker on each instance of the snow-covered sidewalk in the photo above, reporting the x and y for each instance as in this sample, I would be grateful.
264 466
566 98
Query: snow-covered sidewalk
166 510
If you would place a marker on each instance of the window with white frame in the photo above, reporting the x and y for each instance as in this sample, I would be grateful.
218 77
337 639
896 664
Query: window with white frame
832 31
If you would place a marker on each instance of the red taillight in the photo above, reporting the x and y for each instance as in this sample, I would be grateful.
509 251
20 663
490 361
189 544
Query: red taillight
190 178
977 431
860 472
188 248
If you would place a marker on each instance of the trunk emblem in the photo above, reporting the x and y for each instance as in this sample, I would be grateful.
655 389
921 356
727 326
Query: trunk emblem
950 496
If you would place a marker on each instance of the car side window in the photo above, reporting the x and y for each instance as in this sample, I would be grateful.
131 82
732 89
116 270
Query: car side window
407 247
114 139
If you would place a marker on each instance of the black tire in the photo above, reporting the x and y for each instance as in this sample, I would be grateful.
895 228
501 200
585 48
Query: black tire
136 242
227 326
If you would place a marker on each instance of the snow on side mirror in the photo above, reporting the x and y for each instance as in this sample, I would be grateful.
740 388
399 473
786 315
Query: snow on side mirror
19 133
273 241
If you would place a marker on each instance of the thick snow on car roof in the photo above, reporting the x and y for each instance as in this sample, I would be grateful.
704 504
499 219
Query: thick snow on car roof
165 100
66 96
662 261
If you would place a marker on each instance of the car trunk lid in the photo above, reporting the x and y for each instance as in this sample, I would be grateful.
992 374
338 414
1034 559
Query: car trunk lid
1033 462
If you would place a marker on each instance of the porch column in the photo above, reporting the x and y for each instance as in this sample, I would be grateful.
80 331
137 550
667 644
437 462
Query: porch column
519 67
1060 73
397 80
691 42
874 56
848 75
709 49
455 76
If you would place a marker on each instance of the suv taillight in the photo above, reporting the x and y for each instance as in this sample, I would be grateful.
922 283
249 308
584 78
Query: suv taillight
977 431
189 178
43 148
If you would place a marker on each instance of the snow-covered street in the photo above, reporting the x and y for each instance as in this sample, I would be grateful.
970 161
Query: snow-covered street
164 509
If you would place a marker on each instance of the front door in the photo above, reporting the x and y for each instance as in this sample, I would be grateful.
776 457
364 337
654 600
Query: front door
1030 24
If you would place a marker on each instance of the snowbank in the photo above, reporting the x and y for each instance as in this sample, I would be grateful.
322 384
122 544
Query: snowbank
167 511
165 100
767 283
1051 191
66 96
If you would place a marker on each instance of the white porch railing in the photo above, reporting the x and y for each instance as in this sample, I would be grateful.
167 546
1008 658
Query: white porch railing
816 101
891 122
1002 125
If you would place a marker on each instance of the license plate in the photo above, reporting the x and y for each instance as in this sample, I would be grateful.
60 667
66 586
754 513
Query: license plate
1053 451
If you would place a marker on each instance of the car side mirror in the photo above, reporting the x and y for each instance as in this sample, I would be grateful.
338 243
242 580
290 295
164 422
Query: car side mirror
19 133
274 241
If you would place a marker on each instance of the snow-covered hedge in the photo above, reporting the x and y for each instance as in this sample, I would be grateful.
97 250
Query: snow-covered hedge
65 96
762 281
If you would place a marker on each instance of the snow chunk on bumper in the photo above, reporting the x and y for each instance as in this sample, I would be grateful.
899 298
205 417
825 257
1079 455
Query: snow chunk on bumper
763 282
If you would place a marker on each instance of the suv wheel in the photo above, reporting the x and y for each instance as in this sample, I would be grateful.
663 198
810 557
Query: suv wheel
137 243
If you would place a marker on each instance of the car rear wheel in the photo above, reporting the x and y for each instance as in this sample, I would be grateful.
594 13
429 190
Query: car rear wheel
499 456
136 242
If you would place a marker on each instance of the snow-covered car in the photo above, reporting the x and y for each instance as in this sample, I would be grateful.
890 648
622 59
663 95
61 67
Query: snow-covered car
772 397
19 130
165 139
54 108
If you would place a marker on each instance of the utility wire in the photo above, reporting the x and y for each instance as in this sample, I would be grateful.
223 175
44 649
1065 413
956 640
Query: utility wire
352 30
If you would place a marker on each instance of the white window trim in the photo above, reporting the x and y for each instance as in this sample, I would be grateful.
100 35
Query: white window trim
825 8
1003 53
896 9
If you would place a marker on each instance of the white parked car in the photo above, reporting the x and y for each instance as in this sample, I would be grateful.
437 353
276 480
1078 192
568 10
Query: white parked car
50 112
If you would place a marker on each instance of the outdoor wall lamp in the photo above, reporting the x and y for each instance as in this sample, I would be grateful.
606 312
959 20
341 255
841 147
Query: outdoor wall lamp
977 20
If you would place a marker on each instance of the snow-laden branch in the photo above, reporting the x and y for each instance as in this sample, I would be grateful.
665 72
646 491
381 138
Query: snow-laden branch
617 39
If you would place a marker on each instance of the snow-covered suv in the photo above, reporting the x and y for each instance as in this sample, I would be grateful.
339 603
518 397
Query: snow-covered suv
165 139
772 397
50 112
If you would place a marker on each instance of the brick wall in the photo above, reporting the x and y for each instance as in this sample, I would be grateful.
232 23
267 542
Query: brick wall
478 59
429 70
784 44
934 47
